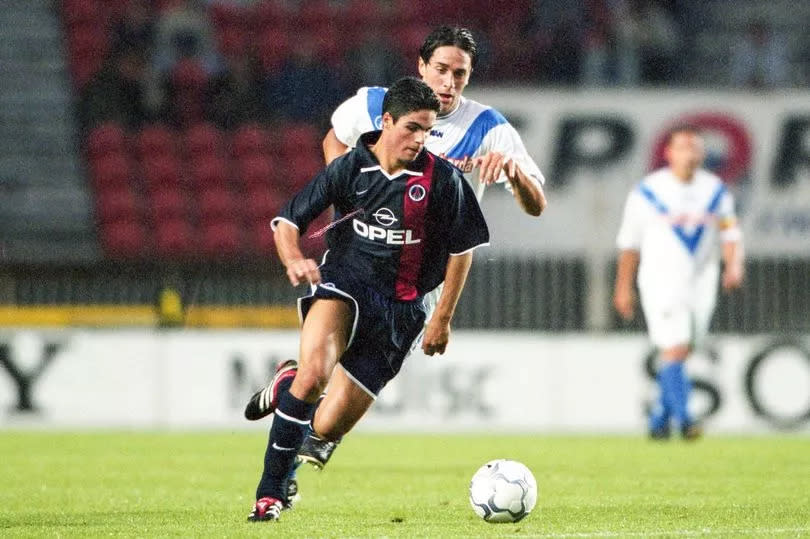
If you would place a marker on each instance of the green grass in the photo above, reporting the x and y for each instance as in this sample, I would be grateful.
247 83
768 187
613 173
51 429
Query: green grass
135 484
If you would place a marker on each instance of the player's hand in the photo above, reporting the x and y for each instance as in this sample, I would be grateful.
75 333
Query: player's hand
733 277
437 335
303 269
624 300
491 166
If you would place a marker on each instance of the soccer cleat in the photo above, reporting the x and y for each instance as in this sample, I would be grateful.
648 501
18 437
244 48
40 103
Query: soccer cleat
316 451
691 432
264 402
266 509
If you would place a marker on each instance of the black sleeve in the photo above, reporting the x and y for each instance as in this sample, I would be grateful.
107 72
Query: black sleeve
312 200
468 228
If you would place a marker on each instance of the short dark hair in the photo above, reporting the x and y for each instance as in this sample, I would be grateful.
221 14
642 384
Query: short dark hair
407 95
687 128
454 36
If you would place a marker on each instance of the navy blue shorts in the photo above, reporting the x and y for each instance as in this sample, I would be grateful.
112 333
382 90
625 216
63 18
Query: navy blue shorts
383 329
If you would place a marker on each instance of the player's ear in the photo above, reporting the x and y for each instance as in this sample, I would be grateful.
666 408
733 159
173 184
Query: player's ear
387 120
422 67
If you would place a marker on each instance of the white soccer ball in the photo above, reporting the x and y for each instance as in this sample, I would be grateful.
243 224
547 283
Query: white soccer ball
503 491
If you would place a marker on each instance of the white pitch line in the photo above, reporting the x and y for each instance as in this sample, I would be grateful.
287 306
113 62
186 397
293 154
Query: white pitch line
669 533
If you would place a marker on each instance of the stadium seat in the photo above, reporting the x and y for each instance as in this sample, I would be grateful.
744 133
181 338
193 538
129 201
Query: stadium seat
162 171
217 204
123 239
188 81
262 239
111 171
272 47
255 170
221 239
222 14
249 140
155 140
268 15
81 11
175 238
300 169
232 41
168 203
116 205
263 203
300 138
202 140
208 172
105 139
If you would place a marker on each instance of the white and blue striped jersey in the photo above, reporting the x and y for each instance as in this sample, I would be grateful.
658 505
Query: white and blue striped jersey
678 228
472 130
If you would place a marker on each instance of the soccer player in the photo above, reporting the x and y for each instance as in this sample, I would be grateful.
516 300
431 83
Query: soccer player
405 220
678 223
474 137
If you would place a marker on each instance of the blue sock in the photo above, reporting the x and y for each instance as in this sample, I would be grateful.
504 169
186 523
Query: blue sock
661 411
675 386
286 436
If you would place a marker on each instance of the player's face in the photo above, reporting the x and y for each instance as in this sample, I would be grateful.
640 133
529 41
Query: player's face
406 137
447 73
685 153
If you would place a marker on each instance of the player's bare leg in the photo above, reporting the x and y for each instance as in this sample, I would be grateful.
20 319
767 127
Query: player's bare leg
324 337
339 411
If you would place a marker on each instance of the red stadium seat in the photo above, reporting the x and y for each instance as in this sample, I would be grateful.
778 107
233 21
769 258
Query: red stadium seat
154 140
168 203
162 171
209 172
105 139
301 169
217 204
203 140
273 48
300 138
233 41
188 79
262 239
263 203
256 170
175 238
117 205
268 14
111 171
221 239
123 239
81 11
249 140
226 13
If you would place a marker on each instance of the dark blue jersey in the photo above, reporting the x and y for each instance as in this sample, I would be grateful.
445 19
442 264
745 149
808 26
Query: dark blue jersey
405 227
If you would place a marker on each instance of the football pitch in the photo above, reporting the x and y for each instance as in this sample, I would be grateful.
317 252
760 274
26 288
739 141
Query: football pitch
201 484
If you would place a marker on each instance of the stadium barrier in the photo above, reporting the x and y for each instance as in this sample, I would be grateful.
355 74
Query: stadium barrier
508 381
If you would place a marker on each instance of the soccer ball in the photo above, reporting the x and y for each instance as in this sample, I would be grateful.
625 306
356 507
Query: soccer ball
503 491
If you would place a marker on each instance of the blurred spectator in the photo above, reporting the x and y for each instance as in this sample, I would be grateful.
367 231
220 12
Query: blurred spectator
373 61
116 92
597 44
306 89
182 32
761 60
555 32
233 96
136 29
660 42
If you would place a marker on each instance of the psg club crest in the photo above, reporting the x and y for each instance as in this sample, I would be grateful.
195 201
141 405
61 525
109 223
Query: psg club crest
416 193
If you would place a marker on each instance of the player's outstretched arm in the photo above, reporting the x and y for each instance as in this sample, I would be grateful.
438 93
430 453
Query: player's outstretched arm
437 332
298 267
624 296
528 193
332 147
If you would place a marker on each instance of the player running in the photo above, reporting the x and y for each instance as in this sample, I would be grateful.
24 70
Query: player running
678 223
474 137
405 221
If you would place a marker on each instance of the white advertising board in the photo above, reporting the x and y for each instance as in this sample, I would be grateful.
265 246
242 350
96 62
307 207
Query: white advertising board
593 146
487 381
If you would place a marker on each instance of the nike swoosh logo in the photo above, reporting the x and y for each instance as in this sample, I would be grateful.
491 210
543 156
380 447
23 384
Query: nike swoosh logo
278 447
363 192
